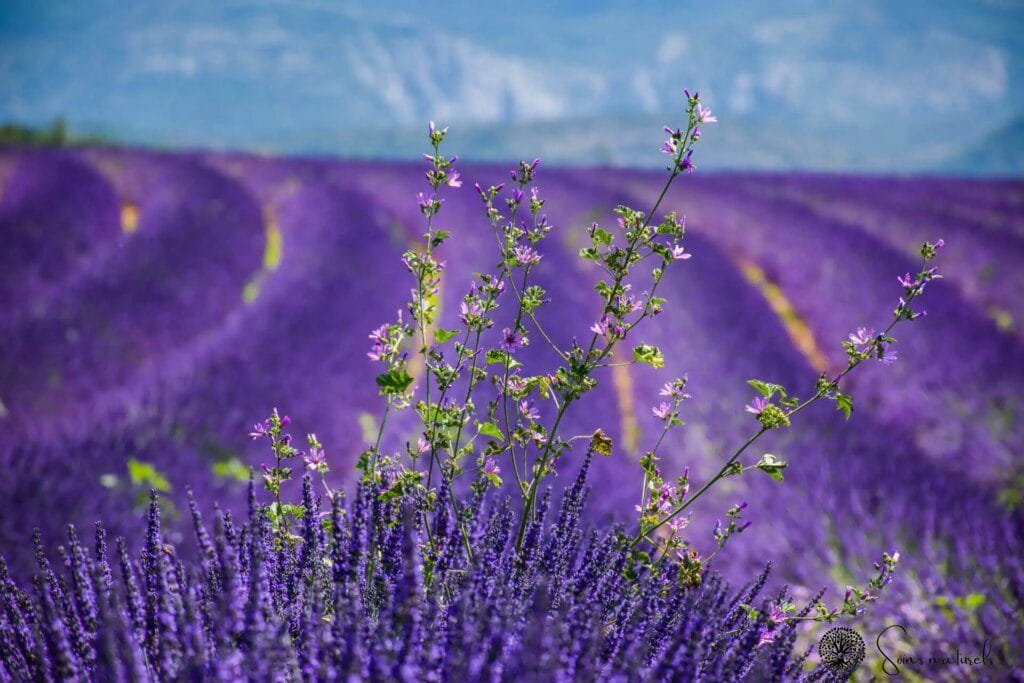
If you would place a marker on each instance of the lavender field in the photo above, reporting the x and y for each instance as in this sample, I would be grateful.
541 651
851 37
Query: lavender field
154 305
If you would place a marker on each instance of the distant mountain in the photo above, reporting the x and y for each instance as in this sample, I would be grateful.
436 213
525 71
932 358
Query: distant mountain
851 85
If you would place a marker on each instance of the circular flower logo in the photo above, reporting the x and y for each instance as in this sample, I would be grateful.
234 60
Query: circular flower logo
841 650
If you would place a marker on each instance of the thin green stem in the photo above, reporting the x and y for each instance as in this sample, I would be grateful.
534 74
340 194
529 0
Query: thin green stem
821 393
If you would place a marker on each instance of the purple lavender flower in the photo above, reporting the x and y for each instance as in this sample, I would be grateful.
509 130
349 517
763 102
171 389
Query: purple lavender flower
282 611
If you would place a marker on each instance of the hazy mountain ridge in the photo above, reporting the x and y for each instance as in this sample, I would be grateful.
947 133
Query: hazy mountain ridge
796 86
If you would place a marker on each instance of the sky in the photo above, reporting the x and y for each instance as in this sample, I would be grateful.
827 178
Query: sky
867 85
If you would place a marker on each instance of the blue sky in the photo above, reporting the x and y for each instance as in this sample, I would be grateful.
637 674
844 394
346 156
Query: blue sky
866 85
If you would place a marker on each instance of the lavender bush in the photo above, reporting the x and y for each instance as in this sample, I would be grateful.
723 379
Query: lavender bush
426 560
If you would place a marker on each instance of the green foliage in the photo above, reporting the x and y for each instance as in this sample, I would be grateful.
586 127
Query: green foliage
773 417
490 429
232 469
144 474
772 466
394 381
645 353
56 134
767 389
844 404
601 443
442 335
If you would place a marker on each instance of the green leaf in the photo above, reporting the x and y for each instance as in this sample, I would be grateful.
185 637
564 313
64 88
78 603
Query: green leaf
232 468
145 474
395 381
767 388
273 512
772 466
442 335
641 557
296 511
645 353
602 237
490 429
844 402
589 253
732 469
499 356
972 601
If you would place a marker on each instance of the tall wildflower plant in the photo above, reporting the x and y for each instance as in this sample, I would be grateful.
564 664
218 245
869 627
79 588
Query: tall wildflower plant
423 574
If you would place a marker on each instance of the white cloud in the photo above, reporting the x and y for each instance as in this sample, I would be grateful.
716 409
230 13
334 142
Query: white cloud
672 47
741 99
456 79
805 30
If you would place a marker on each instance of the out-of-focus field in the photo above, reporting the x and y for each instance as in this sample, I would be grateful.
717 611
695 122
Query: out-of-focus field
153 306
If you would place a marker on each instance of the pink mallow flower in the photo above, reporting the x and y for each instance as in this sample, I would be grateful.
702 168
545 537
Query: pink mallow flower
907 281
510 341
678 253
863 337
526 256
678 523
704 115
757 405
316 459
470 311
663 411
379 338
260 429
528 411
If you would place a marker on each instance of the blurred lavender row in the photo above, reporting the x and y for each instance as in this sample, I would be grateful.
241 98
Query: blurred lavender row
153 305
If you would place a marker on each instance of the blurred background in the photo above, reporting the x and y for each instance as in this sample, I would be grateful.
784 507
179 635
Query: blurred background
203 207
914 86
